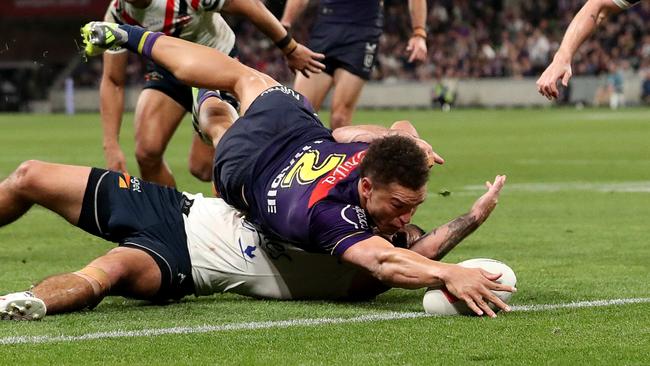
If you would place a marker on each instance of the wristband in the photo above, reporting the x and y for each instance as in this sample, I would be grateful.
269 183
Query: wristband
419 32
290 47
285 41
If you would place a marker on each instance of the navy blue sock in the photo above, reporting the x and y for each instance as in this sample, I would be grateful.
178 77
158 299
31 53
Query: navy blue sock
140 40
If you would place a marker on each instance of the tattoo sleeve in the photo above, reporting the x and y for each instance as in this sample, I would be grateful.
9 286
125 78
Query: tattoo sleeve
457 230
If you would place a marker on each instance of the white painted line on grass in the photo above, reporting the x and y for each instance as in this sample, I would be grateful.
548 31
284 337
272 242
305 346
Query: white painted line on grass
581 304
603 187
290 323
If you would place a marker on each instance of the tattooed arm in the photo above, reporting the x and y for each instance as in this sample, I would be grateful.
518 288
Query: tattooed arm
443 239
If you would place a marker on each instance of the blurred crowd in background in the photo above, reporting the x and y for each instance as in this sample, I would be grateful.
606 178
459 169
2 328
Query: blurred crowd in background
467 39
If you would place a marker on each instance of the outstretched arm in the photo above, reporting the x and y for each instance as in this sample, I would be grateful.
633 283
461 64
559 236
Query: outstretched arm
436 244
299 57
582 25
404 268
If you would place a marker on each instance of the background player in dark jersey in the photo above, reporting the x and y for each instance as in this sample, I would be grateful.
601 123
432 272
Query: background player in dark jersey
164 100
582 25
347 32
280 166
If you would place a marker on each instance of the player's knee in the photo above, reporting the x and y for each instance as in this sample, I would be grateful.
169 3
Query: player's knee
216 114
147 155
340 119
27 178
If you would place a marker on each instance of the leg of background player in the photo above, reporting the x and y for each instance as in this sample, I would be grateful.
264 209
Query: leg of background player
314 88
347 89
156 118
200 159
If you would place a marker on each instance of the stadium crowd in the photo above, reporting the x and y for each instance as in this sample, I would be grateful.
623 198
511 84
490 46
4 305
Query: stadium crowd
467 39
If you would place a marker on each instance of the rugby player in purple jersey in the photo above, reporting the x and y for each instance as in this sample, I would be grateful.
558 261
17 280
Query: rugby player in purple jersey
296 182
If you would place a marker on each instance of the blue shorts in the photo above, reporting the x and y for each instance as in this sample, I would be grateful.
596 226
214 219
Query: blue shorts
158 78
279 120
145 216
347 46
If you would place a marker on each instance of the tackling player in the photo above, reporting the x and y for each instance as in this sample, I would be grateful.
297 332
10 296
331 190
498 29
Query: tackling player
299 183
173 244
164 100
592 13
348 32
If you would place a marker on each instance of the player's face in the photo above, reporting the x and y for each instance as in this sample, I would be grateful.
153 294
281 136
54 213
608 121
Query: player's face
392 206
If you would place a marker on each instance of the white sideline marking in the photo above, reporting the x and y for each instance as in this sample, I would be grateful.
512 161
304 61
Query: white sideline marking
289 323
580 304
619 187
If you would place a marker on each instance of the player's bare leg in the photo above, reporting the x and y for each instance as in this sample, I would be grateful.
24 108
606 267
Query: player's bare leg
156 118
314 88
215 118
190 63
123 271
57 187
200 160
347 89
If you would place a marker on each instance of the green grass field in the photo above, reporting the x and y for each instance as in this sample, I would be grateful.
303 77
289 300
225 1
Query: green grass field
573 222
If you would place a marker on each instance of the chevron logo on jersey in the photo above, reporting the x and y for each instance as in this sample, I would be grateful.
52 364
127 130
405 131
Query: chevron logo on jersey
125 181
128 182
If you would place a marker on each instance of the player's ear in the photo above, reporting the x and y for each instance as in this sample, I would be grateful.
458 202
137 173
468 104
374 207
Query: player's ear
366 187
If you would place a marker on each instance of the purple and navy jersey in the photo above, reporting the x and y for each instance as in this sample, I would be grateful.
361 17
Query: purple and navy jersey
626 4
312 199
283 168
367 13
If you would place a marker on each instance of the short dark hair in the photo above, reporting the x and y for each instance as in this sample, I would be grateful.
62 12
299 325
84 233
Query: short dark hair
395 159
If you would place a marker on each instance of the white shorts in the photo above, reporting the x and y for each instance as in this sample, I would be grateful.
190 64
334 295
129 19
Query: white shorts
229 255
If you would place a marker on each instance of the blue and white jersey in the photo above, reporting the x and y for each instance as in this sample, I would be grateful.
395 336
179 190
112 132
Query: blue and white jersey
228 254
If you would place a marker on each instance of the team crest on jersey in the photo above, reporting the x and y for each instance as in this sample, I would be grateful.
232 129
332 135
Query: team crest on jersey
356 216
370 55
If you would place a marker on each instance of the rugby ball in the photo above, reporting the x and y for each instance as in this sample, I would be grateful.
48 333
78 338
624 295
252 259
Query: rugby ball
439 301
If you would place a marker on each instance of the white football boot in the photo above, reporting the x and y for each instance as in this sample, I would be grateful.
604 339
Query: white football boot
21 306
